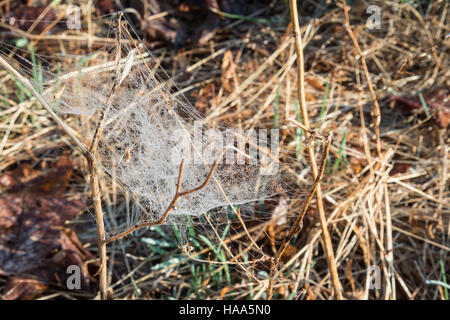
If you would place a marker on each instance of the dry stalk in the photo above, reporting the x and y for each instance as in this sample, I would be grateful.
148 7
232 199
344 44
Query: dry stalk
328 248
96 199
94 177
376 107
96 195
172 204
312 133
298 224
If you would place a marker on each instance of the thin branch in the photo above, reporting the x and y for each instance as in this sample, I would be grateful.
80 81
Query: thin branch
313 133
328 248
93 172
178 194
96 199
96 194
376 107
298 224
113 91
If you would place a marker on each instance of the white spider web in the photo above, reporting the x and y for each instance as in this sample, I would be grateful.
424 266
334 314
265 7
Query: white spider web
144 124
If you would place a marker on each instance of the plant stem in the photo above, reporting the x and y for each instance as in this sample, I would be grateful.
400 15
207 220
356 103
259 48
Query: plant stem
94 177
298 224
328 248
376 107
96 198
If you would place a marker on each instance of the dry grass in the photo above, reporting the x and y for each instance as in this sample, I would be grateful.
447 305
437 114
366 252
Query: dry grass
385 205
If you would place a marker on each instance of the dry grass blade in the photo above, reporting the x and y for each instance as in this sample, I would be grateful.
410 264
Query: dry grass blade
52 114
107 96
298 223
304 112
376 107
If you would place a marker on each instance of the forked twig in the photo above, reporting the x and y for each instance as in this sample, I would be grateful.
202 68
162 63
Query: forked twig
96 195
313 133
328 247
178 194
298 223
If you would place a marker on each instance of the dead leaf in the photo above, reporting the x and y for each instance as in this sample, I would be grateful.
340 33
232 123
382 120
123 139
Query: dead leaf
437 100
206 97
24 289
105 6
399 168
26 16
224 291
228 72
52 180
35 247
184 19
281 292
288 253
315 82
355 294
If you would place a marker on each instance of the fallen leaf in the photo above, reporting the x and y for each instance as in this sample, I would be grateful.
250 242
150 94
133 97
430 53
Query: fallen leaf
315 82
207 28
399 168
25 16
206 97
52 180
35 247
228 72
176 21
105 6
224 291
24 289
288 253
438 103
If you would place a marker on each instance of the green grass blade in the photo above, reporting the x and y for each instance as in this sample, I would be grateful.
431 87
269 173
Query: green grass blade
324 101
341 153
275 108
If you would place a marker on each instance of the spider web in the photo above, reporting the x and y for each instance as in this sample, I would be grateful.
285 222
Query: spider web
149 128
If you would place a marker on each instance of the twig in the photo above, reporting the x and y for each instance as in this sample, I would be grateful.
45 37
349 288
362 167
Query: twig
301 126
178 194
96 199
298 224
113 91
94 177
328 248
313 133
238 213
376 107
96 195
